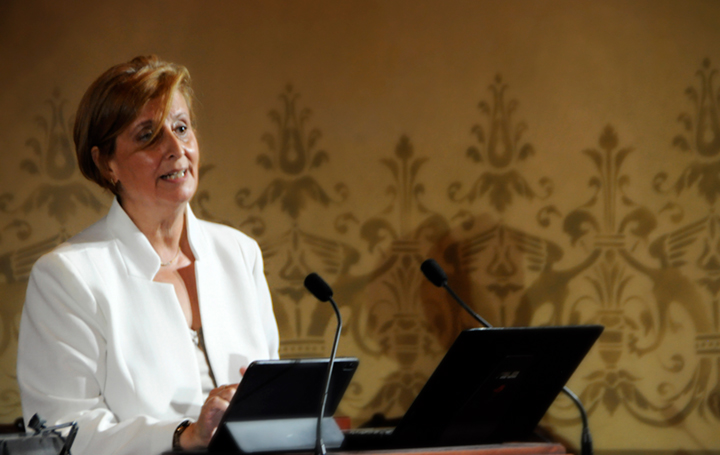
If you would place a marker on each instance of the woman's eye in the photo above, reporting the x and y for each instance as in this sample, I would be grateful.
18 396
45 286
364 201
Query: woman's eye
145 135
181 129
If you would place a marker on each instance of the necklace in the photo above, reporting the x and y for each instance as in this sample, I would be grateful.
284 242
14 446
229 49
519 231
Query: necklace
165 264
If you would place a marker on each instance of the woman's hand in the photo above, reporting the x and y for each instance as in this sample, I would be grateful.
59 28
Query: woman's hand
197 435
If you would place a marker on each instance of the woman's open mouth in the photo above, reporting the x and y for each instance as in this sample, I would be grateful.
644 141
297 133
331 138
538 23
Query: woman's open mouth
174 175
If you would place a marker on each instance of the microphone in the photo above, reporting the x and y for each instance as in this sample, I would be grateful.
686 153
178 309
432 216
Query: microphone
323 292
437 276
318 287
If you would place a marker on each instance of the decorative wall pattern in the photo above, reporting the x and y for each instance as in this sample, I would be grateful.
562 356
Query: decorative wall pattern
647 277
58 193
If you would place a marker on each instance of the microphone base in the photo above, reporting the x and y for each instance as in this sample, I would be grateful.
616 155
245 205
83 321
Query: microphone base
277 435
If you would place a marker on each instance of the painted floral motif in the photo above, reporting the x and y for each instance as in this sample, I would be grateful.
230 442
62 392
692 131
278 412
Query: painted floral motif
640 305
292 154
52 159
390 321
501 149
293 158
701 138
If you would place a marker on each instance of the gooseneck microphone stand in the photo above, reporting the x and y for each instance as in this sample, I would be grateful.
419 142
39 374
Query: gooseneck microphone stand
322 291
437 276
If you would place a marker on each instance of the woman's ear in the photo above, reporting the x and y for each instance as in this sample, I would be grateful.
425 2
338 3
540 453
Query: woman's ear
103 166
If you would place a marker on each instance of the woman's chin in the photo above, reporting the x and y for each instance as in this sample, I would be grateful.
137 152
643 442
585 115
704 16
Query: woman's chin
181 193
176 198
185 197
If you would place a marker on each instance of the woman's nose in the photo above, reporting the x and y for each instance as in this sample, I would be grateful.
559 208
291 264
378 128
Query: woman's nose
172 145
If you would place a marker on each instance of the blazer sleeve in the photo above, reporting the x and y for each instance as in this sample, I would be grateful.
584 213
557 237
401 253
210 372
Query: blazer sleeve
61 365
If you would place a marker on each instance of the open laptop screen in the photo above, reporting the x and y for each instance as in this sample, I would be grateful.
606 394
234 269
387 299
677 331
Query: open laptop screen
494 385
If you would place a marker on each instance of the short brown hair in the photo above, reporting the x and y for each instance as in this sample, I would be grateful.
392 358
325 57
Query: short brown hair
115 100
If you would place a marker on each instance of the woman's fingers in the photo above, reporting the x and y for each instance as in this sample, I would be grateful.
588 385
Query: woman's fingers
224 392
229 391
211 413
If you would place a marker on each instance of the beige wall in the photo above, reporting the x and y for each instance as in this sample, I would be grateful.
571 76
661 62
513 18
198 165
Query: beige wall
559 158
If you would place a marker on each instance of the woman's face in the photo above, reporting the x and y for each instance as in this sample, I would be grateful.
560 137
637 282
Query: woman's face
161 174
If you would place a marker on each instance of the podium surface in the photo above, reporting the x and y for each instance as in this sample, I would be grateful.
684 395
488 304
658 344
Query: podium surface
489 449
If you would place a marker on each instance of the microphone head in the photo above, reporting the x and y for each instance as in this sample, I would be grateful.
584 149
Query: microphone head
318 287
434 272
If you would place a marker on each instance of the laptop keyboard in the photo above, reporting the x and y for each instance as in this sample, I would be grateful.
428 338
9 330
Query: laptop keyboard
367 438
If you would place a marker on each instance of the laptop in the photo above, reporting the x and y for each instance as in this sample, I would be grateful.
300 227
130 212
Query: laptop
277 404
493 386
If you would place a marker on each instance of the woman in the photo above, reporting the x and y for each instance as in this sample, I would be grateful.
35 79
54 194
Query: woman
129 327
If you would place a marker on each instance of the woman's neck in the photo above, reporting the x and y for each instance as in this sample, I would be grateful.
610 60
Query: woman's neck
164 229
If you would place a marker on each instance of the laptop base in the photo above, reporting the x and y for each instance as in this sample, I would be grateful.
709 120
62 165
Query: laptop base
276 435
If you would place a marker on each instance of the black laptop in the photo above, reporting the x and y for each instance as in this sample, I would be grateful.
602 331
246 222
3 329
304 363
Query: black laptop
493 386
277 403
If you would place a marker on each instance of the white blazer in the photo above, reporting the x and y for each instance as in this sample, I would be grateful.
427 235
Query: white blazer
102 344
